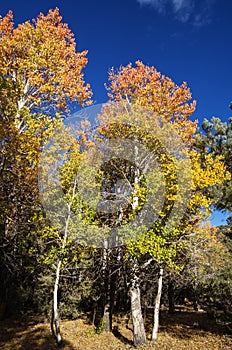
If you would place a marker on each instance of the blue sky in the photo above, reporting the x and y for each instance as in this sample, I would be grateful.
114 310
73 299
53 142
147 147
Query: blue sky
187 40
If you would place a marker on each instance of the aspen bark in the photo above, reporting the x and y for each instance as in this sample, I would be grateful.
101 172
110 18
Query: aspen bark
55 312
157 305
135 294
107 317
55 306
136 310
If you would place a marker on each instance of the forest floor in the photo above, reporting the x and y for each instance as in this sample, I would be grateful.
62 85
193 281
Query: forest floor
187 330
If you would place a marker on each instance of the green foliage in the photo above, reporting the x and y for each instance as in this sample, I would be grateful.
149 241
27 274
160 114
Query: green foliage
101 327
158 243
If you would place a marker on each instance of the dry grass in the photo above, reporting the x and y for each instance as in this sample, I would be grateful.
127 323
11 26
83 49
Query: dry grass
183 330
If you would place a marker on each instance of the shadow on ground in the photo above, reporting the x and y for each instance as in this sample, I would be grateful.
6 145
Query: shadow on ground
24 335
121 337
182 330
183 324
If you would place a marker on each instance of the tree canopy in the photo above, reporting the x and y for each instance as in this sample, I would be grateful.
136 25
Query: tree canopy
133 189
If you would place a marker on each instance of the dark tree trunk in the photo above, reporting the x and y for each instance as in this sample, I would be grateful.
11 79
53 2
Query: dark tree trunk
171 298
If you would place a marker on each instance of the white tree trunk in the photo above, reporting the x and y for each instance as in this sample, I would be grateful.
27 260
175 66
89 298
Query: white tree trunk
135 201
136 310
55 306
106 276
157 305
135 295
55 319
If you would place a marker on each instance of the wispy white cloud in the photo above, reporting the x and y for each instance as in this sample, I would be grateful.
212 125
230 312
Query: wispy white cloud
179 4
159 5
183 9
191 11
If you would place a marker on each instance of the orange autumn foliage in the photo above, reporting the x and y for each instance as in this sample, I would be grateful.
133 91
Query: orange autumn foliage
145 86
40 60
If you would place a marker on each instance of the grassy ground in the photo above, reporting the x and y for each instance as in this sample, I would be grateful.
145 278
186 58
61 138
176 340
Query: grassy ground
183 330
